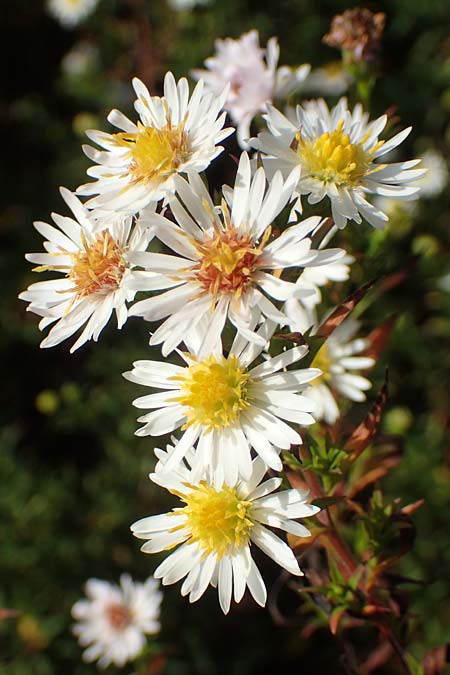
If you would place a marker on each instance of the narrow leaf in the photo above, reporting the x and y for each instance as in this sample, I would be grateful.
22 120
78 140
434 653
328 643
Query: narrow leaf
341 313
363 434
379 337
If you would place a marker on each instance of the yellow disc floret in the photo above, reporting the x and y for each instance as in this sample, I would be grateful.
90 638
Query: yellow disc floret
322 361
333 158
98 267
155 153
214 392
219 520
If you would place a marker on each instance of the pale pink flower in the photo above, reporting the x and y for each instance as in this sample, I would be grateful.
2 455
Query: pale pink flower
253 76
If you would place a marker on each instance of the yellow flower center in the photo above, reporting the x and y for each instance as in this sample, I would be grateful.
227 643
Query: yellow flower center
155 153
227 262
98 267
323 361
219 520
214 392
332 158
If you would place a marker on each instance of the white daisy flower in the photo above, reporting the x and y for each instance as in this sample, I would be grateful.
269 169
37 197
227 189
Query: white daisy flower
92 257
301 310
254 82
337 151
71 12
225 258
175 134
338 359
113 621
216 526
227 405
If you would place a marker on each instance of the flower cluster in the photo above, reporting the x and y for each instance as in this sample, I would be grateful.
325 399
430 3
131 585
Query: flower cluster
219 279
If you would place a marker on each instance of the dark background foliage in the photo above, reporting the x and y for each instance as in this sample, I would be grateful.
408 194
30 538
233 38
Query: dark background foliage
72 474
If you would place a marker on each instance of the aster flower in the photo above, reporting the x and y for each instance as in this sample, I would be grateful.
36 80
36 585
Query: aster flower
92 257
337 151
175 134
340 361
225 258
254 82
227 405
71 12
216 525
113 621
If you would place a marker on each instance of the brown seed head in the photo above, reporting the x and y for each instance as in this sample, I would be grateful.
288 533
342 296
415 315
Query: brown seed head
358 31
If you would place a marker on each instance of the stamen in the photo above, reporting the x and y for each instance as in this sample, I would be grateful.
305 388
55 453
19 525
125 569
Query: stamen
214 392
219 520
333 158
155 153
98 268
228 261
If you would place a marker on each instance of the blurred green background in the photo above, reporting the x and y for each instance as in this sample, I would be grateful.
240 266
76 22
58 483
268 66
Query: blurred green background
72 474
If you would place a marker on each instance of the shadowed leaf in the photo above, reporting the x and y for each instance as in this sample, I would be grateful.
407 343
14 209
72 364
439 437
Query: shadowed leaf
297 338
363 434
383 467
325 502
341 313
379 337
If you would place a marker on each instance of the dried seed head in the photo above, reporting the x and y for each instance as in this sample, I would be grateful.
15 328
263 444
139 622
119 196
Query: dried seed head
357 31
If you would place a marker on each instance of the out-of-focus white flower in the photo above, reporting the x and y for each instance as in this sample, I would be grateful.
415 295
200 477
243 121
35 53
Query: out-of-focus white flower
177 133
253 76
113 621
225 259
328 80
80 59
227 404
216 526
92 257
182 5
71 12
444 283
337 151
337 360
436 176
395 210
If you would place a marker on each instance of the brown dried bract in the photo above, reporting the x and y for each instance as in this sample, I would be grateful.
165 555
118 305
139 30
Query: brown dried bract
358 31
